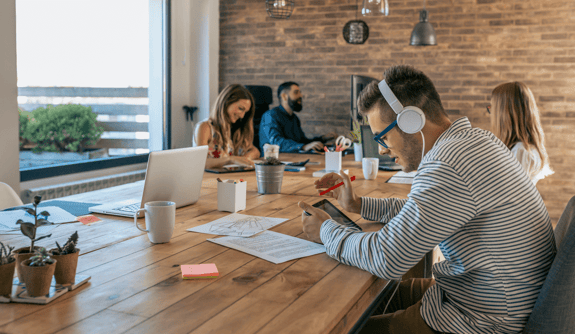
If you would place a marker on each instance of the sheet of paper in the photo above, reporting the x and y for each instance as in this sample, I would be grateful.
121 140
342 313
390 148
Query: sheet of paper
238 225
8 219
272 246
402 177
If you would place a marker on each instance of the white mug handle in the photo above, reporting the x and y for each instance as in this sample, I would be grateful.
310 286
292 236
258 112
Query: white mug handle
136 220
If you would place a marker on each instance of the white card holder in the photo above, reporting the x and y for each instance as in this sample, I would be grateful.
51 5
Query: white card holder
333 161
232 196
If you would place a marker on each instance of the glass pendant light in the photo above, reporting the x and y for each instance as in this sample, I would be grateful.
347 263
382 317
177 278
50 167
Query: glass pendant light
375 8
423 33
280 9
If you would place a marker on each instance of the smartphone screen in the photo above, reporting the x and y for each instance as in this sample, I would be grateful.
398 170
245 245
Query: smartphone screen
335 214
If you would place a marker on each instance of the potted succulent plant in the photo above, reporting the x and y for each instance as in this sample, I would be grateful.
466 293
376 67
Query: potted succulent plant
67 257
38 272
29 230
7 264
269 175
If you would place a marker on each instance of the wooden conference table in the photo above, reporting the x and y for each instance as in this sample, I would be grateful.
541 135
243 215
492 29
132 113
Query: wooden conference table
136 286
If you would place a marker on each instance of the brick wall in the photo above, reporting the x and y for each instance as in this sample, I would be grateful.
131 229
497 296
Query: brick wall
481 43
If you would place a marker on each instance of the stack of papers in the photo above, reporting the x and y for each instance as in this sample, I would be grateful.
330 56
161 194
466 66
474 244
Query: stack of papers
402 177
8 219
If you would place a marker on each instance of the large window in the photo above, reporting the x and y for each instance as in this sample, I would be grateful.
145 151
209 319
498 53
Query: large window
83 82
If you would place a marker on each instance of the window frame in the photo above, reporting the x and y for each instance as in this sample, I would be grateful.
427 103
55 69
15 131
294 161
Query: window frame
37 173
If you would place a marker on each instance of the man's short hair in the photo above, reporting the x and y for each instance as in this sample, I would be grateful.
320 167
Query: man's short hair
411 87
283 87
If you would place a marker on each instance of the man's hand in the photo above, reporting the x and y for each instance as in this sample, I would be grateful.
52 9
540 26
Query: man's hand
312 224
242 161
329 136
344 195
314 145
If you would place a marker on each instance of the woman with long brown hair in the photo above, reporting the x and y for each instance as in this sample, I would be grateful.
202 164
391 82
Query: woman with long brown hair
229 131
515 121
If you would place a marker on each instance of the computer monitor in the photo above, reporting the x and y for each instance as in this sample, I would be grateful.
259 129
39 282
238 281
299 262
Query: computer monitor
371 150
358 83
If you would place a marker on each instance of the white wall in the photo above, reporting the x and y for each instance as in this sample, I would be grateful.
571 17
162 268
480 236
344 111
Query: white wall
9 163
195 64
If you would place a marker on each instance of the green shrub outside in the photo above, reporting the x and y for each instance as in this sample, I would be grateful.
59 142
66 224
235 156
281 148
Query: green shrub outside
66 127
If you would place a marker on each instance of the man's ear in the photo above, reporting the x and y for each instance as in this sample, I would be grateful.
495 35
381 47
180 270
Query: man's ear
284 97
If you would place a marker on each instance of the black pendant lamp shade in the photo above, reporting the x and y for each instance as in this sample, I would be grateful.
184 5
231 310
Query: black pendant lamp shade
423 34
280 9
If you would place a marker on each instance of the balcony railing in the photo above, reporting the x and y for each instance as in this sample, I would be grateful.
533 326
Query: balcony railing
122 112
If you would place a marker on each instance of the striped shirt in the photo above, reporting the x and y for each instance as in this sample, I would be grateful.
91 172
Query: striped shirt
471 197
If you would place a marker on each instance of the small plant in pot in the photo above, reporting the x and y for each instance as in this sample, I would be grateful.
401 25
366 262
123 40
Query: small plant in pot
7 265
67 257
29 230
38 272
269 175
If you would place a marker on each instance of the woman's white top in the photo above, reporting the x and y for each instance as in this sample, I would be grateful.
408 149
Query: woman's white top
531 162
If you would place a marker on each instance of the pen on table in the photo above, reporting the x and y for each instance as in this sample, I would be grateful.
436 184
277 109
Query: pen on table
219 180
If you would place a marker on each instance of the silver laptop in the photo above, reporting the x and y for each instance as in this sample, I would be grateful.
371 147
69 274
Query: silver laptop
370 149
172 175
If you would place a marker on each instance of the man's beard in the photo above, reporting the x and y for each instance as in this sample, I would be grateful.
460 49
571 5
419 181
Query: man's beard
412 153
295 105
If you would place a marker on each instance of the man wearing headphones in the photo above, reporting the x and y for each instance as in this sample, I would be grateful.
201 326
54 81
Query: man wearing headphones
470 196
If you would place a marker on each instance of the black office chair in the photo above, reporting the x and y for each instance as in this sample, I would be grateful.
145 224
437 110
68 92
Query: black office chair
554 311
263 97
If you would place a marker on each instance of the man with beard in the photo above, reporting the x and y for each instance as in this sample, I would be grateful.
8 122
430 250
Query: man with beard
280 126
470 196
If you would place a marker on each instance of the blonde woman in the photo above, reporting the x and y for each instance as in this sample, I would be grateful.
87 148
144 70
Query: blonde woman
515 121
229 131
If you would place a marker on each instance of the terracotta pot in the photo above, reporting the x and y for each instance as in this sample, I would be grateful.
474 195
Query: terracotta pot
37 279
21 255
6 278
65 272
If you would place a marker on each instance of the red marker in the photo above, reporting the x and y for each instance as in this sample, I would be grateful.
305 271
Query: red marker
332 188
325 149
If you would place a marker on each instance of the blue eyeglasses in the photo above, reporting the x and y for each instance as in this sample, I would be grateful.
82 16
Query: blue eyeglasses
382 133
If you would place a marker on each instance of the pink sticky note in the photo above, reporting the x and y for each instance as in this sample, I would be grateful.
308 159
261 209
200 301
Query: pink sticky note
199 270
88 219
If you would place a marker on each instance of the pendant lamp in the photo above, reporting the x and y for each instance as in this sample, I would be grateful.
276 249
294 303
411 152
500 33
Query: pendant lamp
375 8
280 9
356 31
423 33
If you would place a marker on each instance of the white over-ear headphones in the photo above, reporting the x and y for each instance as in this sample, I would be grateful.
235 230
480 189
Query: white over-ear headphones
410 119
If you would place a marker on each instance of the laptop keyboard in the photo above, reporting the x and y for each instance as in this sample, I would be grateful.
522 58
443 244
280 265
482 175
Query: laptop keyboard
129 208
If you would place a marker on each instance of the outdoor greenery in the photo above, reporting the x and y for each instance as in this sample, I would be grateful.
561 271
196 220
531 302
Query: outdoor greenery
69 247
66 127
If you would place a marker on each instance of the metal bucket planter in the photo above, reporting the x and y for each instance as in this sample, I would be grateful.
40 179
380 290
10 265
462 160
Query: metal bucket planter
269 178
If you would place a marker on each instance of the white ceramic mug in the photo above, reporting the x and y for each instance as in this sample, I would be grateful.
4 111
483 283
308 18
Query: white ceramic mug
370 168
160 220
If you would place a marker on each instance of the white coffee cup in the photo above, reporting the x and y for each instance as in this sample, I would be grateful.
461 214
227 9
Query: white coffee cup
370 168
160 220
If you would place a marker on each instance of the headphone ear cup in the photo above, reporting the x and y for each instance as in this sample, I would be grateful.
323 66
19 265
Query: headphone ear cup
411 120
